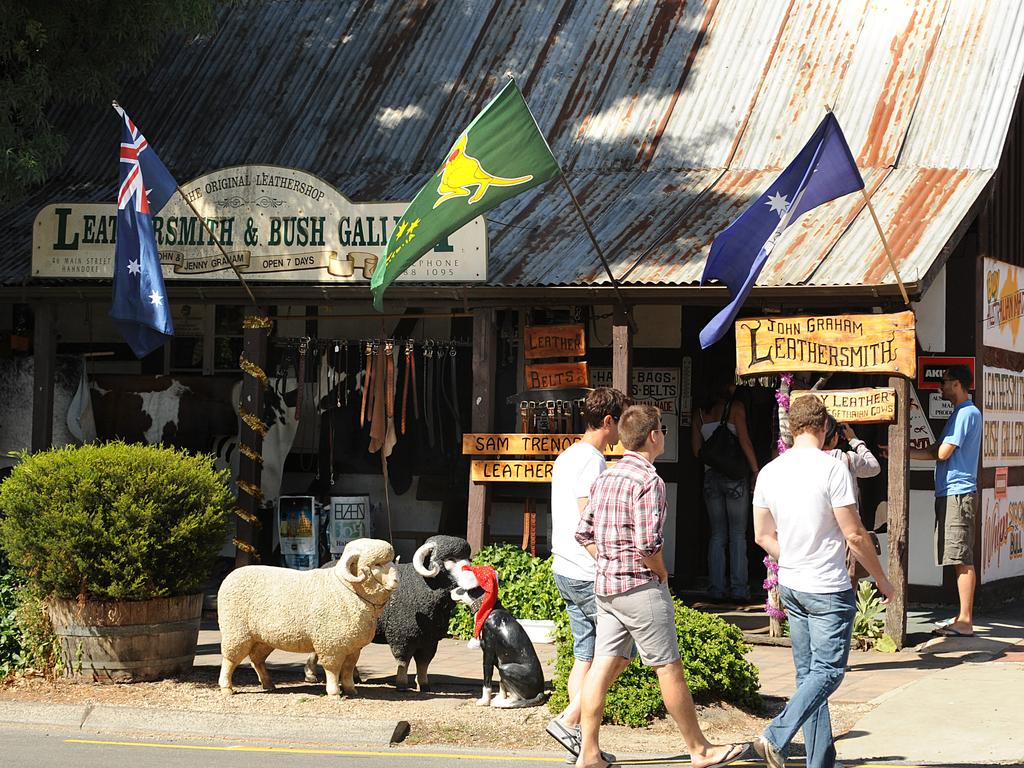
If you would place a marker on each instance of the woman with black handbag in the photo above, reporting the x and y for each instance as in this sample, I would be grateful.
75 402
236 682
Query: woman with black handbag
721 441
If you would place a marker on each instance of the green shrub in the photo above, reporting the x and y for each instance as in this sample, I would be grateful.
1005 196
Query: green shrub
26 640
114 521
712 652
526 587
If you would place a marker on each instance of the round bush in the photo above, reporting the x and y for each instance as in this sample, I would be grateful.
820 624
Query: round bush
526 587
712 651
114 521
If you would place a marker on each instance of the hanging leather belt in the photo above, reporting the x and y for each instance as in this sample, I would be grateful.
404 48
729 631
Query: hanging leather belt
389 381
410 373
524 416
367 382
428 389
300 374
454 400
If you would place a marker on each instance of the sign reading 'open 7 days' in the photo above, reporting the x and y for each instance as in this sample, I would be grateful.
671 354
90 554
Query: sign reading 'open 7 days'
855 343
856 406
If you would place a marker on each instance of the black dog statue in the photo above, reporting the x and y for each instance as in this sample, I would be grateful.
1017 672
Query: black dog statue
505 644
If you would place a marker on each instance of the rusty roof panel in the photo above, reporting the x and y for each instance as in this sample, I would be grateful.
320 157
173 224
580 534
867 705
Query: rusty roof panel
628 212
972 86
721 86
669 116
919 210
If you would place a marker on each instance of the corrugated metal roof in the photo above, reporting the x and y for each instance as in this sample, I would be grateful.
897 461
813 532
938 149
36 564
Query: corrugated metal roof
669 117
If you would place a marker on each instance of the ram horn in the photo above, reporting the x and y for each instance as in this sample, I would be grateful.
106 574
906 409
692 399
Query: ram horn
421 555
345 572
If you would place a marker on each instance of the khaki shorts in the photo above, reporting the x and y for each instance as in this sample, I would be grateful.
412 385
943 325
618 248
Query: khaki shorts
954 529
645 616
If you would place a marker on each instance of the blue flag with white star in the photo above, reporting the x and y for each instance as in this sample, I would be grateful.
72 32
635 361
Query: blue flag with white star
824 170
139 308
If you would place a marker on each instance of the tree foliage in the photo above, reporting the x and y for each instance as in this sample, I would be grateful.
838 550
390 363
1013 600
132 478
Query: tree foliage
73 52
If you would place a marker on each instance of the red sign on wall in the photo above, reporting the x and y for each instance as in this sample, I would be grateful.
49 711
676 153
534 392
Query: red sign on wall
931 369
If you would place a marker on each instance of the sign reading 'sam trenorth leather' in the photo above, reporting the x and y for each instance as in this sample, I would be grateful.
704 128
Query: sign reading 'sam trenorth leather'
274 223
854 343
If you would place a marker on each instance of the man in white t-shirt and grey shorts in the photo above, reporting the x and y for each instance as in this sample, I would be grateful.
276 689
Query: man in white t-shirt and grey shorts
574 568
805 515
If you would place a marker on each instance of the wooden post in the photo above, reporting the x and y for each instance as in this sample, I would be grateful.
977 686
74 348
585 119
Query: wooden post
622 352
44 361
250 471
485 343
899 511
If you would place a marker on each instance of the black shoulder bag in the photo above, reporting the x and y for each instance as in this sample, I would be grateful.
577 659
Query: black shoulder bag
722 451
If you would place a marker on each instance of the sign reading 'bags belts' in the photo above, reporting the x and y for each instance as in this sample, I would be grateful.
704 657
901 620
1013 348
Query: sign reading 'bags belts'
274 223
855 343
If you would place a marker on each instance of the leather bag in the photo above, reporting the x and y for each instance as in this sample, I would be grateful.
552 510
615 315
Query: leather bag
722 451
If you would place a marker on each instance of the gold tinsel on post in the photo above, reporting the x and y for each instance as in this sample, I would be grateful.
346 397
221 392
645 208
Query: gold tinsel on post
257 425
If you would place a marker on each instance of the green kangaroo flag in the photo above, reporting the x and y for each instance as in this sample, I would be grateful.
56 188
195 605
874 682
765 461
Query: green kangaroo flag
501 154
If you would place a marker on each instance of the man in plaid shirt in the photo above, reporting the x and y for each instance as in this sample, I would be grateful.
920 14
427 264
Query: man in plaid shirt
623 528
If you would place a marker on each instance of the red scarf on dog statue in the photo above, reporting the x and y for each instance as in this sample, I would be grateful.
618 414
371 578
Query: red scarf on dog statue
487 579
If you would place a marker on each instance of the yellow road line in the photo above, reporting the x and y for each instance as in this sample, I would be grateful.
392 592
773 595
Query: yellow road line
420 755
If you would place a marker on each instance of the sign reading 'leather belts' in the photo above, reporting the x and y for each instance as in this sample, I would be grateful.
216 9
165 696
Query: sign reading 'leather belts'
855 343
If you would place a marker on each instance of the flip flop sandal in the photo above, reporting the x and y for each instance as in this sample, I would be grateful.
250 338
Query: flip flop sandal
950 632
570 739
736 751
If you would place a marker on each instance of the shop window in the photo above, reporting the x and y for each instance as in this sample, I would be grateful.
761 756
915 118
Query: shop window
227 338
207 339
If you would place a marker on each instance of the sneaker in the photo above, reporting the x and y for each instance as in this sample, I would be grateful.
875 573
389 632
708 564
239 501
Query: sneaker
570 737
767 751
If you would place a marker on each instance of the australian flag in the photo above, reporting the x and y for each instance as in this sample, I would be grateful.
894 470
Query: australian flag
824 170
140 309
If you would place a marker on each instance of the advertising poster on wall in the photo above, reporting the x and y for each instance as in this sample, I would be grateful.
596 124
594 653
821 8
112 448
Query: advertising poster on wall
1003 443
1004 306
1002 534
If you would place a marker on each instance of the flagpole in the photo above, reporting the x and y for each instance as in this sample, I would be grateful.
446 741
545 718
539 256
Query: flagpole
600 253
206 226
881 234
885 243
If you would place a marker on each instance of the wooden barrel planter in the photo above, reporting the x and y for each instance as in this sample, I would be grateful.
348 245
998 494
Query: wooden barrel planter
122 642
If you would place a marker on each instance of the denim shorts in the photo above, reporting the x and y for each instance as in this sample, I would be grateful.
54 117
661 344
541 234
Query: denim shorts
582 609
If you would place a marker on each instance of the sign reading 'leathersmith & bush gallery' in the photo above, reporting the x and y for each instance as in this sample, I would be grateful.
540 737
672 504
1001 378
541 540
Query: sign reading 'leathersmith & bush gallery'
854 343
274 223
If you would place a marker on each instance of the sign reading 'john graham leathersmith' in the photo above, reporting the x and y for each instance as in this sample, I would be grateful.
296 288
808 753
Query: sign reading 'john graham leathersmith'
855 343
274 223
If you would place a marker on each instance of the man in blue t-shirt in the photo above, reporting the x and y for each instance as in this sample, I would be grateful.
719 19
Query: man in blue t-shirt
956 493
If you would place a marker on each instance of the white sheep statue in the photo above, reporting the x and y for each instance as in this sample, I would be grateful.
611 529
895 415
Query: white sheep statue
331 612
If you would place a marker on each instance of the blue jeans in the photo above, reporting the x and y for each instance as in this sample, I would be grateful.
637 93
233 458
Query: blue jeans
820 627
728 510
582 610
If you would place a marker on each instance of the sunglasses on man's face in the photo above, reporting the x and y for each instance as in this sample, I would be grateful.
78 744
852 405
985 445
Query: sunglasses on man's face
664 429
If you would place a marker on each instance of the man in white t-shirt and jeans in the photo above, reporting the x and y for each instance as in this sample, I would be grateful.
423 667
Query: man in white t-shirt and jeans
574 568
805 515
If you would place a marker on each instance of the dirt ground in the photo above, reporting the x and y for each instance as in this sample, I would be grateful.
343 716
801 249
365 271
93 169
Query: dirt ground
447 716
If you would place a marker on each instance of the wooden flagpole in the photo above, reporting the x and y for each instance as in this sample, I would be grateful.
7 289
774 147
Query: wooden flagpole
881 234
600 253
885 243
216 240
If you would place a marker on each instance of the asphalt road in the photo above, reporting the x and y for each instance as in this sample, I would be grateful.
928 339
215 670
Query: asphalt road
37 747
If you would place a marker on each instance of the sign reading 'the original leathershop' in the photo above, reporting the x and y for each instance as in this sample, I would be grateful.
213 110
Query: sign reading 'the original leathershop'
854 343
274 224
